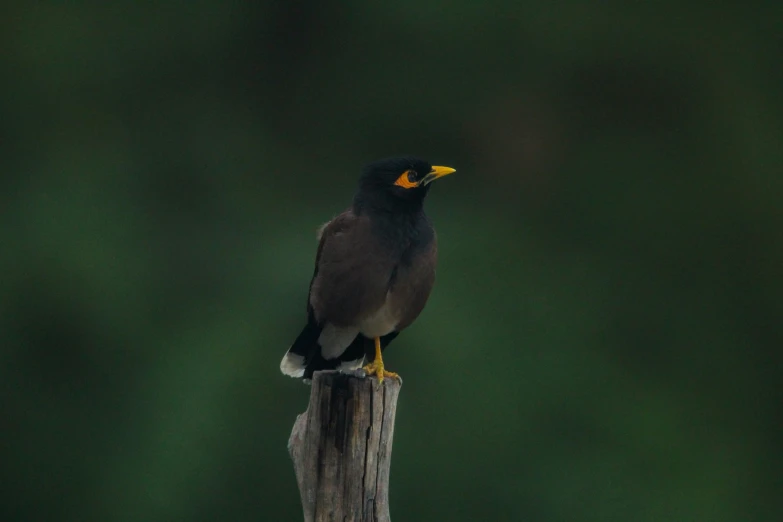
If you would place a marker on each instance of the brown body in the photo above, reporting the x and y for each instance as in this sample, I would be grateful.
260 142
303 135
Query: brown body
363 282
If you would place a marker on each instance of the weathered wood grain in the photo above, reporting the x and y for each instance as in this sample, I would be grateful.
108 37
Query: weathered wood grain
341 447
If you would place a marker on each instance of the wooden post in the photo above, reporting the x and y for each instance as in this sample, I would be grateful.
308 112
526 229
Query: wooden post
341 447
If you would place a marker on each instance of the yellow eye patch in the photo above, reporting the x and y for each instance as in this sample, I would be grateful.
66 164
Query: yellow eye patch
404 181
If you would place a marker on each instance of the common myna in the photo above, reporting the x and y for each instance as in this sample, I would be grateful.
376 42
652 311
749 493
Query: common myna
374 270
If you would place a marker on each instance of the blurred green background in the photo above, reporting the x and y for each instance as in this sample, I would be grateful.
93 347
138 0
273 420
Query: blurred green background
604 338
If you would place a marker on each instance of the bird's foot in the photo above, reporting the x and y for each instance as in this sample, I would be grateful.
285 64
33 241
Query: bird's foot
376 368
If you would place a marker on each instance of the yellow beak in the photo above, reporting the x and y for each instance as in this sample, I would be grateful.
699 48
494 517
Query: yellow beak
435 173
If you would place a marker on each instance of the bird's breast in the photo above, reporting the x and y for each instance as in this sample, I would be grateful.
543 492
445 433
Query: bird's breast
410 280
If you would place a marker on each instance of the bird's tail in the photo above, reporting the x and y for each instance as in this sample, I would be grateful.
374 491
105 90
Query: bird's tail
301 352
304 356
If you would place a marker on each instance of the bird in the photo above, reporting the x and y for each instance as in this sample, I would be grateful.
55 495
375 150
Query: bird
374 271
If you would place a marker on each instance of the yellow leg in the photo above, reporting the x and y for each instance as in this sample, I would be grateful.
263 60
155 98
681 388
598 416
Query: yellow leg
376 366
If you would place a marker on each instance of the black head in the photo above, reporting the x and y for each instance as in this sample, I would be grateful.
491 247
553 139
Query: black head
396 183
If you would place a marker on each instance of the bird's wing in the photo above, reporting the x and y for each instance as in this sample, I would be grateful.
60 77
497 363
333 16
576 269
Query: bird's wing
352 272
319 236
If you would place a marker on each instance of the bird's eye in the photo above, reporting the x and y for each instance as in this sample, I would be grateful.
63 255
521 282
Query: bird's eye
407 179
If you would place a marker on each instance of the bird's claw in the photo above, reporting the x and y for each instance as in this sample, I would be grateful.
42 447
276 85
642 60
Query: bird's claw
376 368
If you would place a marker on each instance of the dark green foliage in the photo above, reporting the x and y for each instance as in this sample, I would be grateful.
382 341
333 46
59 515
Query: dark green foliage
604 338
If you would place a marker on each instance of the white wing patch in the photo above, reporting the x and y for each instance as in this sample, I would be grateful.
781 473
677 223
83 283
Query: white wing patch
334 340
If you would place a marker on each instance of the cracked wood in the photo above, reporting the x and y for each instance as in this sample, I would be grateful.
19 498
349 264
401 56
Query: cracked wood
341 447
